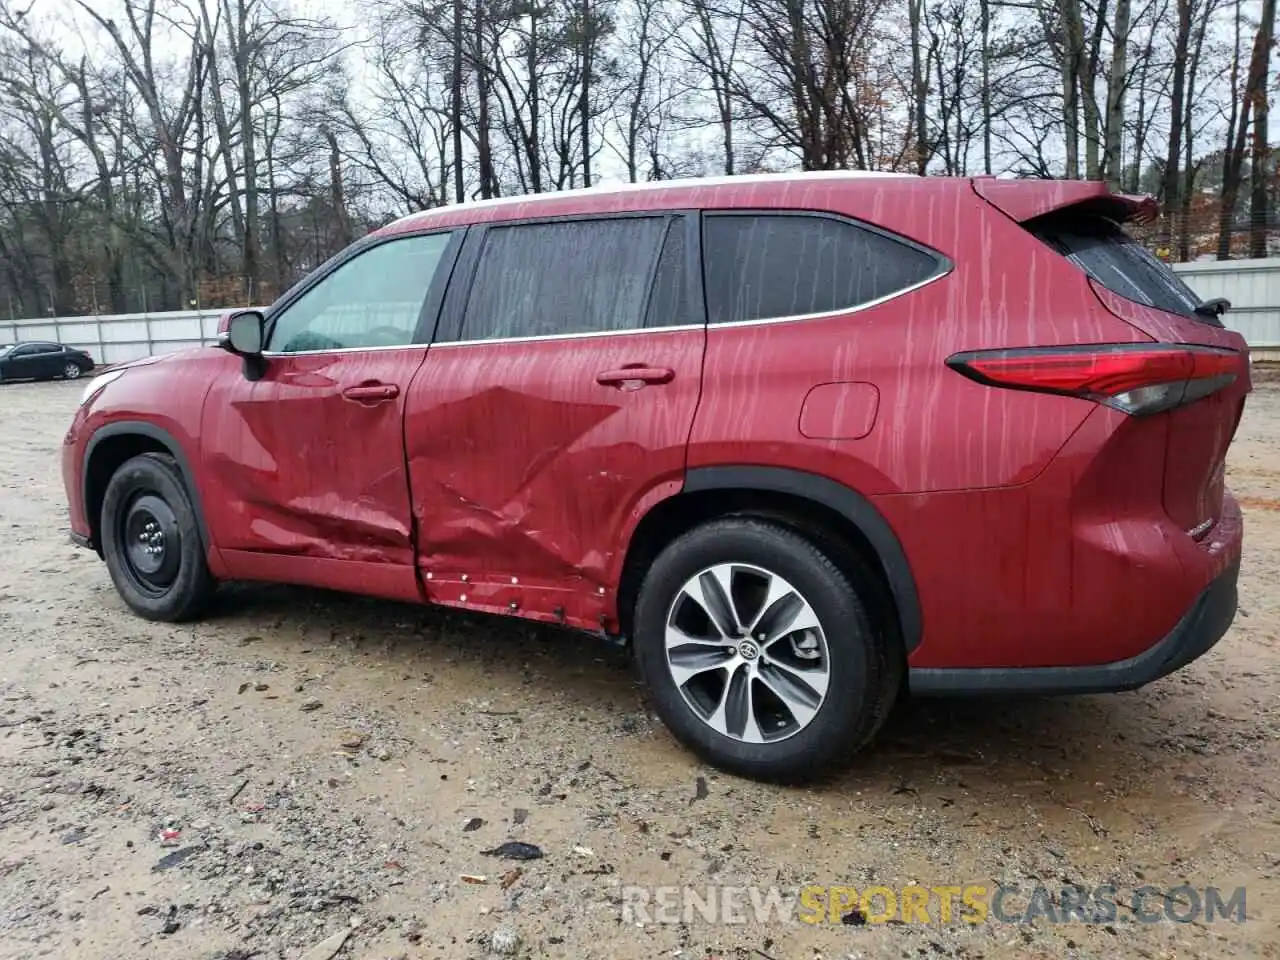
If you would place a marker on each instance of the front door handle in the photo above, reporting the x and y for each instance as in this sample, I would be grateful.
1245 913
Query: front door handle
637 375
372 392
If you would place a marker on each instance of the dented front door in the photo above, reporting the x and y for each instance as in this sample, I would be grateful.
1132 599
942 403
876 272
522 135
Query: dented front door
559 396
306 465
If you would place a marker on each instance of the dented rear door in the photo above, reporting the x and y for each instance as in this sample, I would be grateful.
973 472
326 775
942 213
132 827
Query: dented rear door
557 396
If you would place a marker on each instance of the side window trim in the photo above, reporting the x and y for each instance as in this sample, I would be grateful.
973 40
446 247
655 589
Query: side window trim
651 282
427 316
695 305
695 282
431 306
449 327
448 331
944 264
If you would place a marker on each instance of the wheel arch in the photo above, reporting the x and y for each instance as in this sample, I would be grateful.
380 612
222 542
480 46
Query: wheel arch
109 447
815 504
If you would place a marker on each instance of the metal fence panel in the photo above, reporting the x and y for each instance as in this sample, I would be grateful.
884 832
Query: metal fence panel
115 339
1252 286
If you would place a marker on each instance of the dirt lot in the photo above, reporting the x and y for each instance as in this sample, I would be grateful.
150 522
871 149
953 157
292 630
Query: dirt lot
333 764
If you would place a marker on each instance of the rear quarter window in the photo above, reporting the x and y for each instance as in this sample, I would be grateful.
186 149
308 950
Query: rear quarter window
763 266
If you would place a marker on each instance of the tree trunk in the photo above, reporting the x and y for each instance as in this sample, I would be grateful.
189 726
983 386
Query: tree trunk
1258 219
1112 153
1189 166
1088 74
248 146
985 6
277 238
337 192
455 107
1170 181
584 104
534 148
1072 54
919 87
1233 152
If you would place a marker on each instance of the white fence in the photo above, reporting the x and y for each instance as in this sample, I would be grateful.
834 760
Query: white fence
1252 286
127 336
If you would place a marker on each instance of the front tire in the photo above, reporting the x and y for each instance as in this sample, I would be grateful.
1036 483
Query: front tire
151 541
759 653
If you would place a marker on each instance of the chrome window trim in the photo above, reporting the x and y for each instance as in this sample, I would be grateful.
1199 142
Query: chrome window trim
826 315
571 336
314 353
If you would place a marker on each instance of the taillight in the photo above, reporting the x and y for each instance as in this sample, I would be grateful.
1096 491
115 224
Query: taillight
1134 378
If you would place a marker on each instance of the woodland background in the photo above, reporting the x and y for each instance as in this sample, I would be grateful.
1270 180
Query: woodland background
168 154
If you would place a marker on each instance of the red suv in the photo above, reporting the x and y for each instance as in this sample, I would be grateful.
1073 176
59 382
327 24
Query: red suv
804 440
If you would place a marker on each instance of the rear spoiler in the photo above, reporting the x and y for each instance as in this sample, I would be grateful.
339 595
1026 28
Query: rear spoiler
1024 200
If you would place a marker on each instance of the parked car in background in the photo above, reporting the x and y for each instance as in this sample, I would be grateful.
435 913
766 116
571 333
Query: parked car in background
806 441
42 360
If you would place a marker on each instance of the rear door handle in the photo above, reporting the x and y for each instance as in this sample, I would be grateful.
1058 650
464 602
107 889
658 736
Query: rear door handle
640 375
372 392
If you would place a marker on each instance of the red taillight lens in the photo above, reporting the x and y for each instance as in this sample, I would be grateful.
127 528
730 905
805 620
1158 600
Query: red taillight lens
1135 378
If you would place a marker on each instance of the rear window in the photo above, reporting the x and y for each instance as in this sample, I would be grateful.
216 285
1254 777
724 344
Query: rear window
1103 250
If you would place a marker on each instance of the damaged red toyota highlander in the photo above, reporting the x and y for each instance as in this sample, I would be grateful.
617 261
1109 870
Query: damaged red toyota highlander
806 441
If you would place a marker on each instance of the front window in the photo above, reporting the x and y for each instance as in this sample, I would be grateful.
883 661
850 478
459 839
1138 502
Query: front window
375 299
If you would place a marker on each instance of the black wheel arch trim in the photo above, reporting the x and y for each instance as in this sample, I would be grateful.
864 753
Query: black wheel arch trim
166 440
846 501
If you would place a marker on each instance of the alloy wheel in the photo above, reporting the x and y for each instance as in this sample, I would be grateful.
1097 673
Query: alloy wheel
747 653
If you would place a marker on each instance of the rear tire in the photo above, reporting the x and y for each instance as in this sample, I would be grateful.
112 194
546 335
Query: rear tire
813 672
71 371
151 541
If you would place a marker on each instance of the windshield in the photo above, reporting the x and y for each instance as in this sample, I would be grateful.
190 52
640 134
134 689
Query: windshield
1114 259
5 351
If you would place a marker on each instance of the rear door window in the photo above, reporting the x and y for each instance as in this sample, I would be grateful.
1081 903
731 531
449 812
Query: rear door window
1103 250
564 277
763 266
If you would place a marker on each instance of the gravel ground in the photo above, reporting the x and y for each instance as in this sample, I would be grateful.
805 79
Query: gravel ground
311 775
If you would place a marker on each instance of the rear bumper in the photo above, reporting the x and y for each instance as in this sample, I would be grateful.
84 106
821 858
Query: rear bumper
1202 626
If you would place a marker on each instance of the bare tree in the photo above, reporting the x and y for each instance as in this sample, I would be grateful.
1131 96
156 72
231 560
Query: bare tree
1259 68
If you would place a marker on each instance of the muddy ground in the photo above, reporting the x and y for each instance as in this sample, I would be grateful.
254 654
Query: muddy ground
332 764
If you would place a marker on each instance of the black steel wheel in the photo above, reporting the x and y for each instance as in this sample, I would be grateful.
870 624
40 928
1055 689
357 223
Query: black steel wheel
151 540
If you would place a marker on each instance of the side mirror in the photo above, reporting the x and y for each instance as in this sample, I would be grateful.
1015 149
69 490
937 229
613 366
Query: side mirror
245 333
245 336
